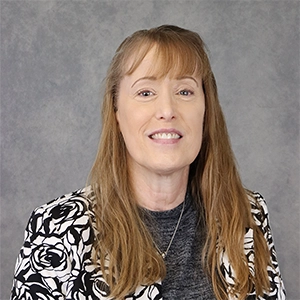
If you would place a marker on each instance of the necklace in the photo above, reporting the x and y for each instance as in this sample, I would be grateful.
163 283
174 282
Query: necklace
164 254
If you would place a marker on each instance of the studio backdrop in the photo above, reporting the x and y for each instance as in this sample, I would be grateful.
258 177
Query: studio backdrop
54 55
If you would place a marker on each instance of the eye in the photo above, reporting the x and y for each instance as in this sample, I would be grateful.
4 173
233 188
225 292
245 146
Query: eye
186 93
145 93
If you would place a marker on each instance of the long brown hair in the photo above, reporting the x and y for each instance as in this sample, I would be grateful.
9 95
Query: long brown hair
213 180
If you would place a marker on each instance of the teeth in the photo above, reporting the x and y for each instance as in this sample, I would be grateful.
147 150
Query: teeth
165 136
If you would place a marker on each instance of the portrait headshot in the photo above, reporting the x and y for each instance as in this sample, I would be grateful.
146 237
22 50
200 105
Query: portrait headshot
150 150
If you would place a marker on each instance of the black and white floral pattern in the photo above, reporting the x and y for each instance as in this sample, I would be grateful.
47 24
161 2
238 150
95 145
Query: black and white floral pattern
55 260
261 216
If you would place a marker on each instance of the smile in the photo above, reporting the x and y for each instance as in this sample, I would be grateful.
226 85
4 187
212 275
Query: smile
165 136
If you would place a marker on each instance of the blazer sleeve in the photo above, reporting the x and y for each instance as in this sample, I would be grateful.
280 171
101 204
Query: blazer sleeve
261 217
44 261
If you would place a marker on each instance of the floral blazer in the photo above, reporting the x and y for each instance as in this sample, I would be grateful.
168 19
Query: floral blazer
55 260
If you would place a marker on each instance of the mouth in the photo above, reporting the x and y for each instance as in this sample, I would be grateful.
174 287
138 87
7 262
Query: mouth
165 135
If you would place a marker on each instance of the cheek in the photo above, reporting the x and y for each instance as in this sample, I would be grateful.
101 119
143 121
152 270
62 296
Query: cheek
129 125
196 117
123 117
133 119
124 121
197 123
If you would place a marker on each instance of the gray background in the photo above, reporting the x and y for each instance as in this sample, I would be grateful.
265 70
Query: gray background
54 55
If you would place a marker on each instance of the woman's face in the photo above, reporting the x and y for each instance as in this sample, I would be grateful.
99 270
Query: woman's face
161 119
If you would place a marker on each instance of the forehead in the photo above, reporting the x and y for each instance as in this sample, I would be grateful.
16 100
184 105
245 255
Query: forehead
159 61
149 66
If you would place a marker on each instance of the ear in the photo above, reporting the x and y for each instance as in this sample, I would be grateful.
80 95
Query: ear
117 116
118 120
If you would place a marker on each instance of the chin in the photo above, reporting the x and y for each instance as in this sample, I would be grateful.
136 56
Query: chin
168 169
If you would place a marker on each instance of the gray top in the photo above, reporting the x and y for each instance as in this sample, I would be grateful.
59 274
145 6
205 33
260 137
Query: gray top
185 277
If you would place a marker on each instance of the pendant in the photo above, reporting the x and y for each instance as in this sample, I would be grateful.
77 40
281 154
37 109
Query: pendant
163 255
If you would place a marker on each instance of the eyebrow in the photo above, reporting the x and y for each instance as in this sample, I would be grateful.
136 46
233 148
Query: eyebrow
155 78
144 78
187 77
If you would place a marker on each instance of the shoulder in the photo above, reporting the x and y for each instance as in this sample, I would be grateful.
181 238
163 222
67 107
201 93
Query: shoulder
75 203
64 212
260 215
257 201
57 248
79 196
259 209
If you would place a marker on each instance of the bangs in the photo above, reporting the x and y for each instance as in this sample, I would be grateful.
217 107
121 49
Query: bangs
176 58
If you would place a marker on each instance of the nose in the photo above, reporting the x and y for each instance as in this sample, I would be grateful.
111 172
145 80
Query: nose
165 107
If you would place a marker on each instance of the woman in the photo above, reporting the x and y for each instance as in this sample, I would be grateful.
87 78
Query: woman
165 215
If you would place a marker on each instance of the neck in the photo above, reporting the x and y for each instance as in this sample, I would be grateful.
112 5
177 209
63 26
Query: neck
159 192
